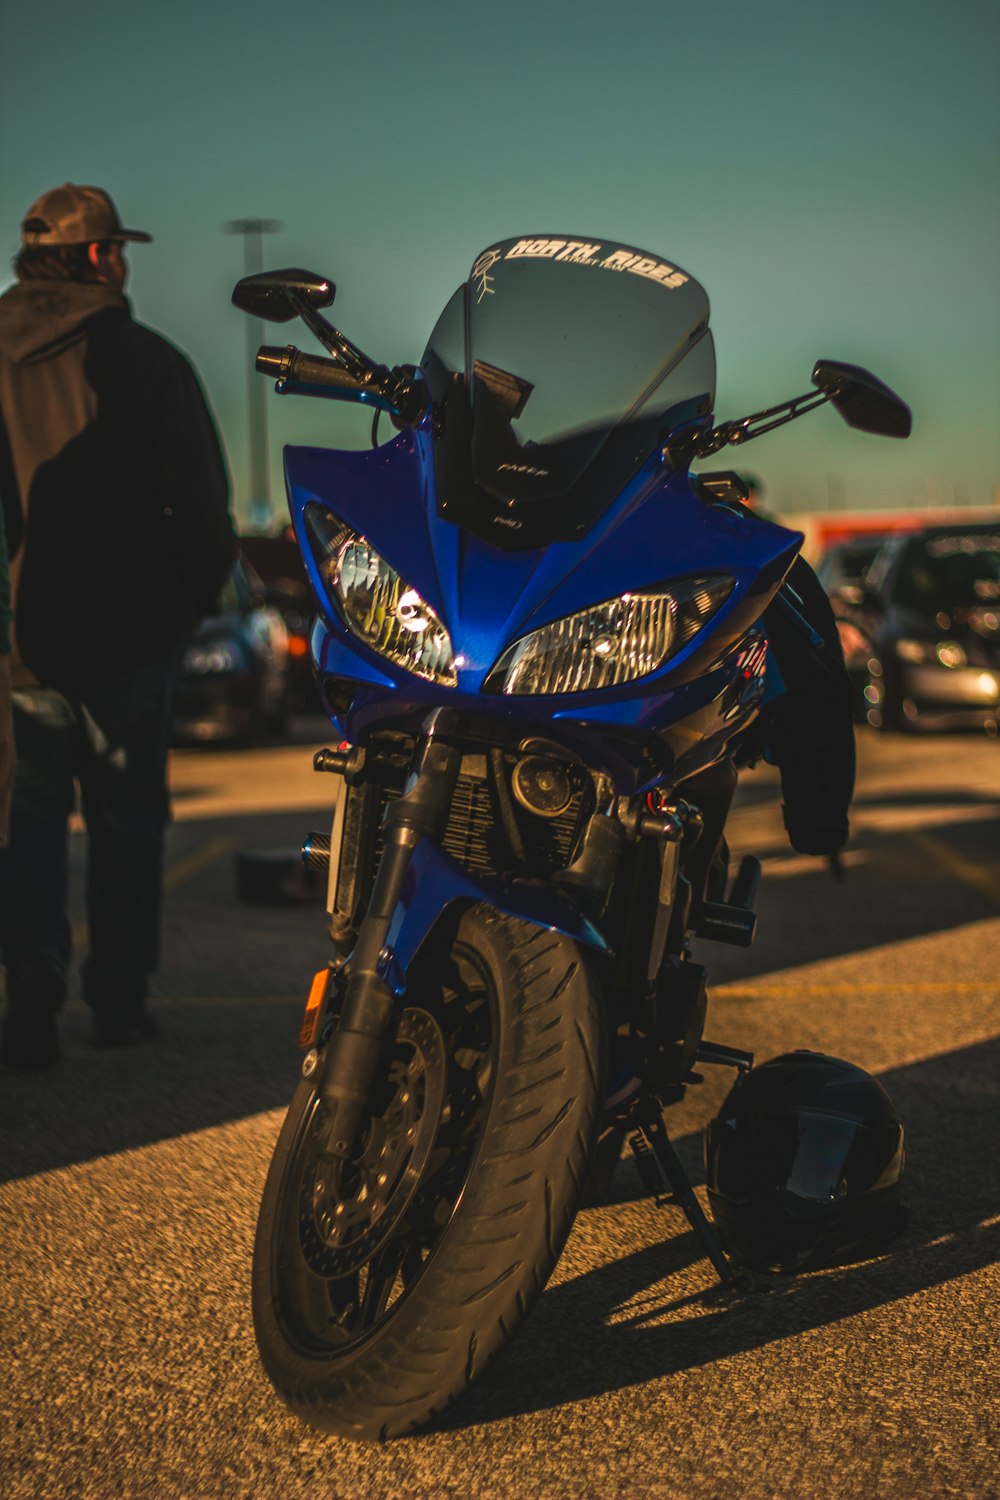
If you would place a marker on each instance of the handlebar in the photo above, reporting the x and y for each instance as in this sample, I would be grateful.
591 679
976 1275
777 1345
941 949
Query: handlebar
394 391
306 369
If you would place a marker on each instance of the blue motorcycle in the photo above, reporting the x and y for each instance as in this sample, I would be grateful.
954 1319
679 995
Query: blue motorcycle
546 647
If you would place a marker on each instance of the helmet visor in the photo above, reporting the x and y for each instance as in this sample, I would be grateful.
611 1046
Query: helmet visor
814 1156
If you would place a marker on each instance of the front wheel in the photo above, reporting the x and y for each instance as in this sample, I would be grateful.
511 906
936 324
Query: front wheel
379 1298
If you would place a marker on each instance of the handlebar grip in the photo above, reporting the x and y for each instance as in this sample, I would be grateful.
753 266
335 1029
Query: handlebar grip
272 361
309 369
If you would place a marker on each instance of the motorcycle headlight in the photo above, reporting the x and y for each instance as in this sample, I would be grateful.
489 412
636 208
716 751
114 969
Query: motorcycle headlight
611 643
376 604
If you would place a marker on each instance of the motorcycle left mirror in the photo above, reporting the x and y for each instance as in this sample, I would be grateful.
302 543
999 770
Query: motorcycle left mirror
862 399
272 294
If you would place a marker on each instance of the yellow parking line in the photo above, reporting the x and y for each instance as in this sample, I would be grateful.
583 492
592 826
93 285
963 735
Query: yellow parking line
850 987
176 874
980 877
206 854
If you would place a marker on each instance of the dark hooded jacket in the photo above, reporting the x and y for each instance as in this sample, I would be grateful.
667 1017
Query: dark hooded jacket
4 594
112 482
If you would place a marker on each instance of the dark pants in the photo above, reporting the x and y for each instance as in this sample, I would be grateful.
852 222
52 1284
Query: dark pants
111 739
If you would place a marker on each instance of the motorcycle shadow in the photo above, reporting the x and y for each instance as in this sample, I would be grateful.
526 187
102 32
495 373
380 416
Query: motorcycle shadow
627 1323
906 877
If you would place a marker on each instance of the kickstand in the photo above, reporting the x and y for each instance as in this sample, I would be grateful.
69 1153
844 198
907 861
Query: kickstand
652 1130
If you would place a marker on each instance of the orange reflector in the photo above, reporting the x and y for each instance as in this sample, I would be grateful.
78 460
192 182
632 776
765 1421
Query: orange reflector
314 1005
298 645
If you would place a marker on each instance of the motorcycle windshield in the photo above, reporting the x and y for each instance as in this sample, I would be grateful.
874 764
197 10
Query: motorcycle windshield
555 371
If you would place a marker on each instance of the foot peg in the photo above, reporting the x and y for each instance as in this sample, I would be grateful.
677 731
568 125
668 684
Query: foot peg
725 1057
733 921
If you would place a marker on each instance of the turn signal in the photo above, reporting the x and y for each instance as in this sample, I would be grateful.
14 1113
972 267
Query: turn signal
314 1009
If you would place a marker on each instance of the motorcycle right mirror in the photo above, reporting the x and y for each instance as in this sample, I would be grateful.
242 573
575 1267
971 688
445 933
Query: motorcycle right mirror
862 399
269 294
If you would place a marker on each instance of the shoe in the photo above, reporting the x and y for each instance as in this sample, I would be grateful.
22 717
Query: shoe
118 1031
36 990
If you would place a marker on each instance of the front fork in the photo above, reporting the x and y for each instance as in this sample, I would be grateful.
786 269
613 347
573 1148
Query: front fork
351 1057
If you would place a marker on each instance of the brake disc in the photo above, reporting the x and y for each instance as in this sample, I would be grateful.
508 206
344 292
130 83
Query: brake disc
346 1217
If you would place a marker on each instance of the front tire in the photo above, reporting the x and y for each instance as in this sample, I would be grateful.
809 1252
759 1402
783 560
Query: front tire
376 1305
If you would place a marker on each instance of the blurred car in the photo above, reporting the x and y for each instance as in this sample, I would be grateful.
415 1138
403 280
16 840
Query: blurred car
278 562
932 613
843 571
843 568
233 681
296 609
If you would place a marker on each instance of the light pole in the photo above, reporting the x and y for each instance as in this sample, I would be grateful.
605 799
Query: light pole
258 478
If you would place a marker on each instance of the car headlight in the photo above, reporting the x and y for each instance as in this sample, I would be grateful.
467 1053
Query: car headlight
948 653
610 643
214 657
915 651
376 604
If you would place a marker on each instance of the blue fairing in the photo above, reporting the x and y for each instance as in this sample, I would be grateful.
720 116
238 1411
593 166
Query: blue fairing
435 881
656 531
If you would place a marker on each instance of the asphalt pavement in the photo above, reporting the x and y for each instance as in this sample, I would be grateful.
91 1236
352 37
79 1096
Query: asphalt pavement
129 1185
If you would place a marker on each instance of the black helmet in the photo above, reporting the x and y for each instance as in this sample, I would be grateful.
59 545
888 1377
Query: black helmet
805 1163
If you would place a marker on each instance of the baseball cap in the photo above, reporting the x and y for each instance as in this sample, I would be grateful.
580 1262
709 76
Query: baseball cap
73 215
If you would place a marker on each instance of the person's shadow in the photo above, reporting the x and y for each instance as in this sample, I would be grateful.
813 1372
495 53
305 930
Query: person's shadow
570 1350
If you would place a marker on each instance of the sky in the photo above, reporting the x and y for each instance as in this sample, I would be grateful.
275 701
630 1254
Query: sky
829 172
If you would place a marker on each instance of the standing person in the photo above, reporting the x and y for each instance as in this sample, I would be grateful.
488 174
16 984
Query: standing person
6 720
115 499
